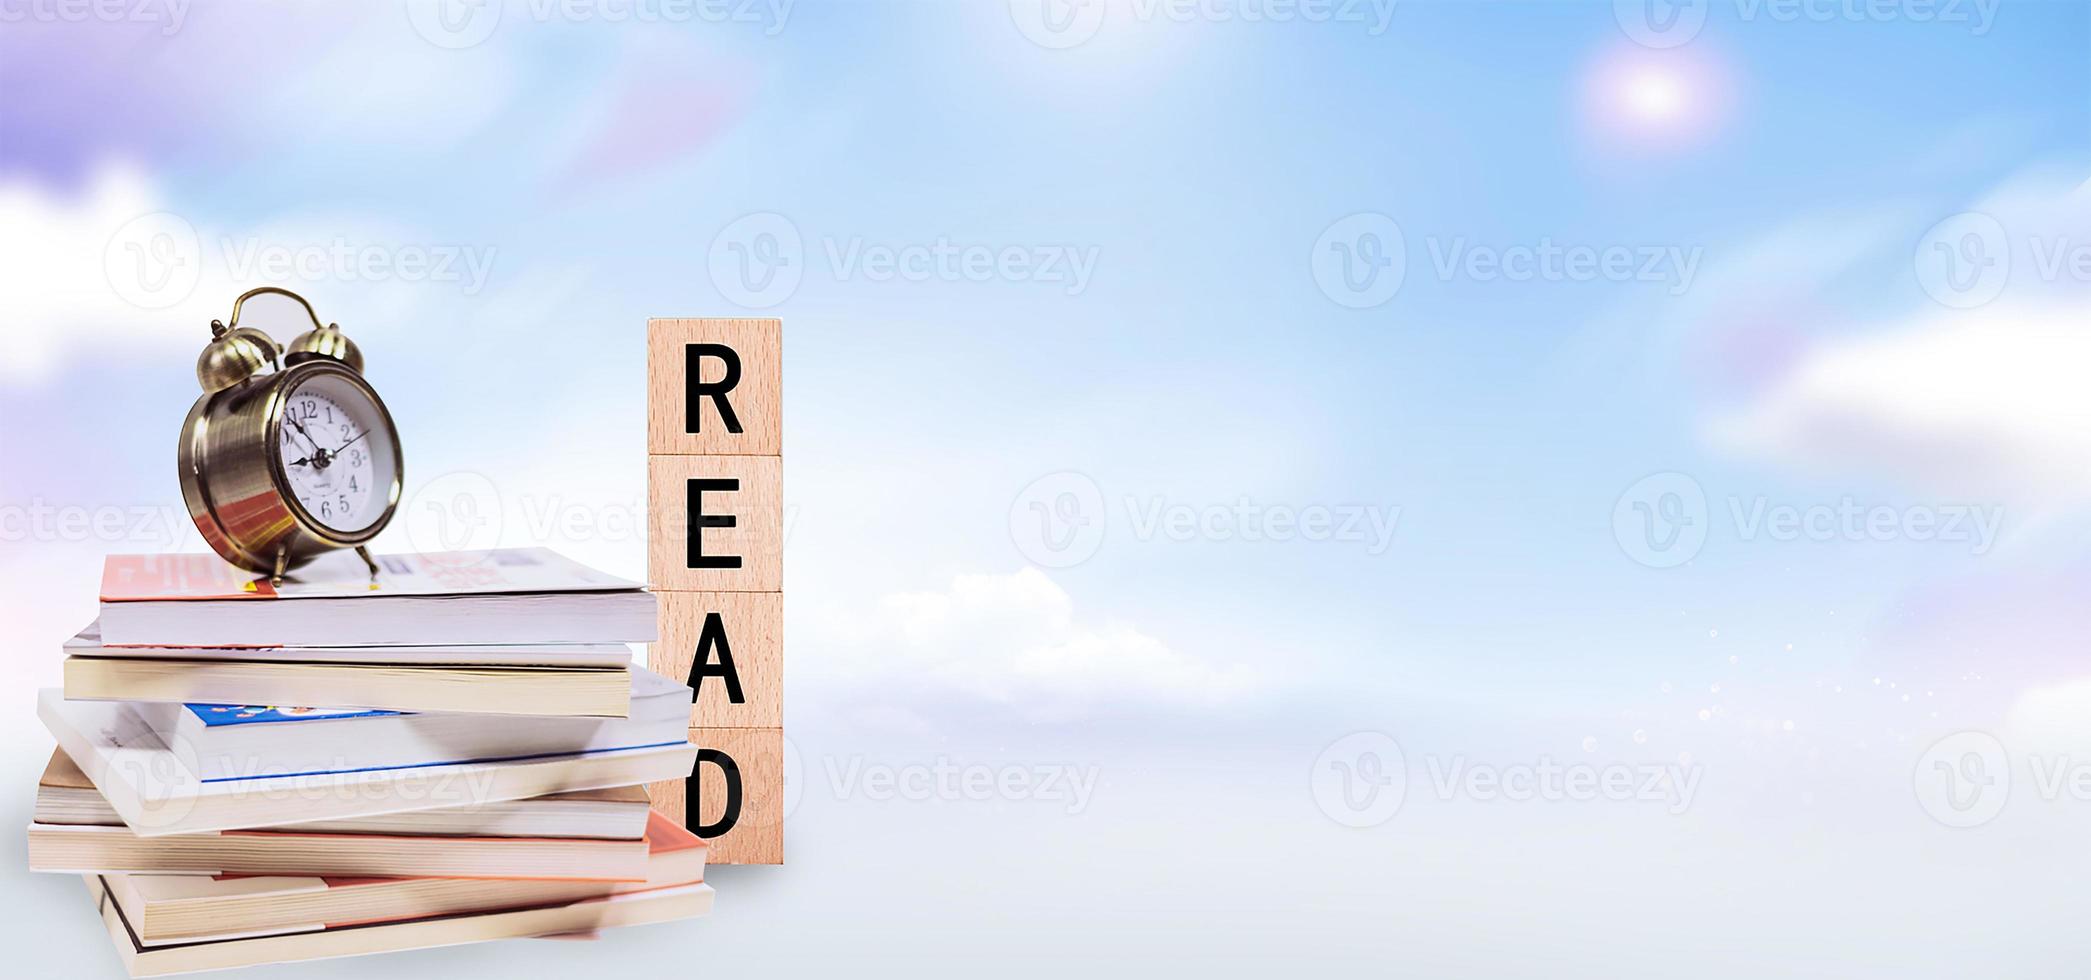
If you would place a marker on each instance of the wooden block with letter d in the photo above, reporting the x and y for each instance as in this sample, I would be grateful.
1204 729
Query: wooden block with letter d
715 555
734 799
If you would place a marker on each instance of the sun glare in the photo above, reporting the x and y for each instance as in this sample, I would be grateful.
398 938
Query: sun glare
1654 100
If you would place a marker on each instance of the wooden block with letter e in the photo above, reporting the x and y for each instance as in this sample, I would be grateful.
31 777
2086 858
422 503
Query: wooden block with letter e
714 387
729 647
716 523
715 555
734 799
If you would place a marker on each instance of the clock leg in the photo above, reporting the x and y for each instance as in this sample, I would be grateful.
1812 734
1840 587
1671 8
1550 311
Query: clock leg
282 565
364 553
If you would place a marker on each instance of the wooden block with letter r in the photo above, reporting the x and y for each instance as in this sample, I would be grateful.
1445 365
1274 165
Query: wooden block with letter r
716 523
729 648
735 797
714 386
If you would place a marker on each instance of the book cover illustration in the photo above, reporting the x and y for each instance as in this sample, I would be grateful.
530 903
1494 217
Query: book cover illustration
222 715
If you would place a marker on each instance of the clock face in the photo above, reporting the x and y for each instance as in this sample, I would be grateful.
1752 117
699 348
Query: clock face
337 453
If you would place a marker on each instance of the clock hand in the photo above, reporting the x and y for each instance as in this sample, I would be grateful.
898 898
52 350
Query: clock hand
300 426
351 442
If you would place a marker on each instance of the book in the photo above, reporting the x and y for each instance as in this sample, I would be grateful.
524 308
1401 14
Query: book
157 792
530 595
482 690
627 909
77 850
231 740
177 907
89 643
64 796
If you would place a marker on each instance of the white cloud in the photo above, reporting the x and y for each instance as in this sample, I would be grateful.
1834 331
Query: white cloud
1986 400
56 262
1013 642
1993 403
115 272
2051 719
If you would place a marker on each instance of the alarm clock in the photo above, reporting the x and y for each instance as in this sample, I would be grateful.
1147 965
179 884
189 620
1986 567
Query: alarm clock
281 466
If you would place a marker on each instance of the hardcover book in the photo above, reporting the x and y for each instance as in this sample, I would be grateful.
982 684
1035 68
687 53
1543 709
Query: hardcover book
481 690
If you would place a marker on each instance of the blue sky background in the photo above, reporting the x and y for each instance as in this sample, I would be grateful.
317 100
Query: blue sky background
1808 162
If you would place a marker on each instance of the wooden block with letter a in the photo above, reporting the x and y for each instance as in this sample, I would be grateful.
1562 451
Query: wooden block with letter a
729 648
715 555
735 797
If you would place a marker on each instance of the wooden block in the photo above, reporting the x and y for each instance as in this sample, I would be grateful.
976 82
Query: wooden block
729 648
739 784
733 404
736 523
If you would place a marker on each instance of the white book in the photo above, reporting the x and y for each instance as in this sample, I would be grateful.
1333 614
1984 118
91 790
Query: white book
230 741
65 798
530 595
157 791
599 656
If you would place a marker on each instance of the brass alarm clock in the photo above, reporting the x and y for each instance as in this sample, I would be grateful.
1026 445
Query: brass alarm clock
281 466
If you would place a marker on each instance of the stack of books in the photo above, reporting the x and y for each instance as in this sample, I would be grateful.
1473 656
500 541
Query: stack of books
477 773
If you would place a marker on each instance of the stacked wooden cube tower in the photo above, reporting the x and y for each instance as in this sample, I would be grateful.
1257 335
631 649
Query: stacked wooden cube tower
715 472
